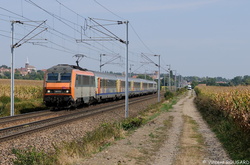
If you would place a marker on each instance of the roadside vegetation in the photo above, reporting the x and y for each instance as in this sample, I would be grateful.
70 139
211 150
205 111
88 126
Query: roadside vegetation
227 111
96 140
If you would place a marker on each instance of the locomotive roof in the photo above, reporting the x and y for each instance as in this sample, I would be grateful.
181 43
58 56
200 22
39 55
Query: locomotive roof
64 68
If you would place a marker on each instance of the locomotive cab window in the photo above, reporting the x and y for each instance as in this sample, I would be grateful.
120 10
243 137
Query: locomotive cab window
52 76
65 77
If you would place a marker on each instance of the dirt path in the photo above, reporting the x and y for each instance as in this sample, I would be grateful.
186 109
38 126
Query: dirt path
178 137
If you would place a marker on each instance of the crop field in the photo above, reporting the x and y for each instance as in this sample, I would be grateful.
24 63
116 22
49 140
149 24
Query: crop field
24 89
231 101
28 96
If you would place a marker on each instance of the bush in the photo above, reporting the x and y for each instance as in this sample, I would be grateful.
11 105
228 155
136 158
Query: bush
168 95
132 123
181 91
32 157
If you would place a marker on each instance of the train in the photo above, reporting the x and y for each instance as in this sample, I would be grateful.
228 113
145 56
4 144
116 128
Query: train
67 86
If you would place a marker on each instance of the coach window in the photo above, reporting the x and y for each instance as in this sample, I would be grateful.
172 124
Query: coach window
150 85
101 83
111 83
123 84
137 85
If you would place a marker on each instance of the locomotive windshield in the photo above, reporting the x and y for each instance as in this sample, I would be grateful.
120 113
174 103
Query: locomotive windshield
65 77
52 76
55 77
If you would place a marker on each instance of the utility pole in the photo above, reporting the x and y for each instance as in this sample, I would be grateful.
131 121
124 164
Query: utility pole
13 46
169 81
108 62
12 106
130 69
180 82
109 36
126 73
159 85
145 77
164 81
101 61
175 80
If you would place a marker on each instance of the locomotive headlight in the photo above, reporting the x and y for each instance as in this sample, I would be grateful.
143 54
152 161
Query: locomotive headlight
48 91
67 91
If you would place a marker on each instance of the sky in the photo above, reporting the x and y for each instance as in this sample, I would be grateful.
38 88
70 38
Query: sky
204 38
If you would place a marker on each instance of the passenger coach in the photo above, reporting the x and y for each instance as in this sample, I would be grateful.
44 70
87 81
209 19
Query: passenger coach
68 85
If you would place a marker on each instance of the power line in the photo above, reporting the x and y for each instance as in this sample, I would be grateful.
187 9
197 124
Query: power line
108 10
70 9
61 33
85 20
57 17
130 25
141 39
57 34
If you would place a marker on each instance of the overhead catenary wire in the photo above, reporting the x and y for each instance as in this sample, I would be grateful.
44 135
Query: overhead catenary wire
93 18
109 10
56 16
18 43
85 19
96 47
129 25
49 28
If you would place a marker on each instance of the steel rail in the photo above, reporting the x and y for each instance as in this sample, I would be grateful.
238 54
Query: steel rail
7 119
20 130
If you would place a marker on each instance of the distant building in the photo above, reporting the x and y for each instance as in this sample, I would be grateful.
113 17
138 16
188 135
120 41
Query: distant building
2 70
27 69
221 82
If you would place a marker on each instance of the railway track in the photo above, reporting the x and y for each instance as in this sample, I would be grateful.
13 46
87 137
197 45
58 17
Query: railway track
40 115
22 118
37 126
8 119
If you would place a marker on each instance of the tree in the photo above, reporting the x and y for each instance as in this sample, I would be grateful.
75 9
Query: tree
246 80
236 81
7 75
142 76
194 83
211 82
5 66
